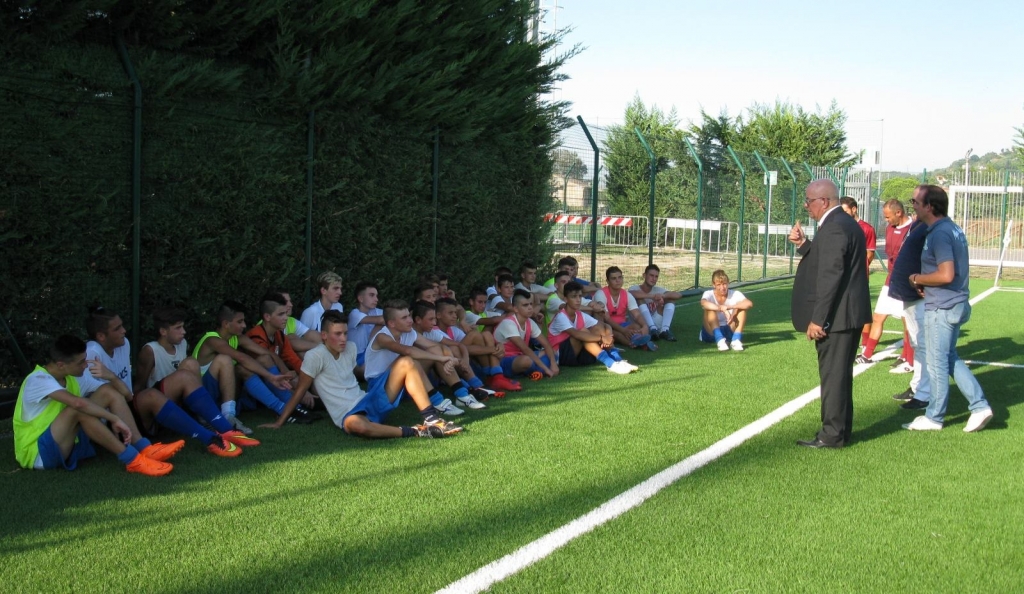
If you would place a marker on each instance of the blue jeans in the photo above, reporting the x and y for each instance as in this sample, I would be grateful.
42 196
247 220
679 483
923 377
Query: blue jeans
941 330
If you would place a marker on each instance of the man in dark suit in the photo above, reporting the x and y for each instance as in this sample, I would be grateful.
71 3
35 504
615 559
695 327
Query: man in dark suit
831 304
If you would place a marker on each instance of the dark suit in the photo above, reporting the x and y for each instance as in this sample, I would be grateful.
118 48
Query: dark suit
831 290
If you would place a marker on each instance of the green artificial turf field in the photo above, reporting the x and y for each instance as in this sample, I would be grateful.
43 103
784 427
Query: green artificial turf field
314 510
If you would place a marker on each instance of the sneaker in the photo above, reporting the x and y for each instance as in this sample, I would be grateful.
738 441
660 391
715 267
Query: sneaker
447 408
655 335
640 340
501 384
485 393
904 396
149 467
914 404
162 452
536 376
861 360
736 345
923 423
650 346
237 424
437 429
902 368
620 369
628 364
470 402
223 448
898 361
298 419
723 345
240 439
668 336
978 420
302 411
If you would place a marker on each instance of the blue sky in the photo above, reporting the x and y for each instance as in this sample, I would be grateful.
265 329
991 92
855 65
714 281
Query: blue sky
925 81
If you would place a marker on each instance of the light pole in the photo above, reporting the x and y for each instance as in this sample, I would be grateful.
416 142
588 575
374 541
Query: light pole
967 184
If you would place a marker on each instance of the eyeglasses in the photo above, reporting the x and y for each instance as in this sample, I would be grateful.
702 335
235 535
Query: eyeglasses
807 201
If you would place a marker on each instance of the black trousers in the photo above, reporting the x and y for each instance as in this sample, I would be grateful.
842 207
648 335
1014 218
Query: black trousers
835 368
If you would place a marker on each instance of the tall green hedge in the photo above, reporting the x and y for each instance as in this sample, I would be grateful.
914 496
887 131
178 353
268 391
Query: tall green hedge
227 95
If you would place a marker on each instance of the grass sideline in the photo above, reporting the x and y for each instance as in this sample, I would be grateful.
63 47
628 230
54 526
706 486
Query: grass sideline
313 510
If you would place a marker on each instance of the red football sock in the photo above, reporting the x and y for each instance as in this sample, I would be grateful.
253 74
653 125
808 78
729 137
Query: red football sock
869 347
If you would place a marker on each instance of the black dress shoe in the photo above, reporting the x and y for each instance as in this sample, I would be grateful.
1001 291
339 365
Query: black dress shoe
914 404
816 443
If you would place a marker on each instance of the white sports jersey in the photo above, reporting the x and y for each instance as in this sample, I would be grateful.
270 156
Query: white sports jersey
312 314
655 290
536 289
165 364
436 335
120 364
731 298
360 333
378 361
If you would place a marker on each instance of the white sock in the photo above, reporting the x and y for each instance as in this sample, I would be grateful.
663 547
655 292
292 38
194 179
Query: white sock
646 312
669 311
228 408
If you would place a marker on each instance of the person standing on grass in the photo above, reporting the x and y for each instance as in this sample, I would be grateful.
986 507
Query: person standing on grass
944 277
831 304
895 233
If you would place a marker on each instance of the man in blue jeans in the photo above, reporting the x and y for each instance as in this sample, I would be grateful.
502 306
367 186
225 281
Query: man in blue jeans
944 277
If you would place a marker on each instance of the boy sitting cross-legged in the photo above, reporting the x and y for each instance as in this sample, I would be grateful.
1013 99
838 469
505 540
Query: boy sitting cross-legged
725 314
329 367
579 339
515 332
484 352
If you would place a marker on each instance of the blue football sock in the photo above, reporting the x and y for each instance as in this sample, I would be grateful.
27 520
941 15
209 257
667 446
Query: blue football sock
544 360
201 403
614 354
435 397
255 386
430 414
737 336
142 444
173 417
605 358
495 370
474 382
461 392
718 334
128 455
282 395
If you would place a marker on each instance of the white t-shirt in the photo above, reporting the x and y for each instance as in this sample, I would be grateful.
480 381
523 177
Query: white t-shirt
655 290
472 318
435 334
360 333
378 361
561 323
457 333
601 298
554 304
312 314
120 364
731 298
335 383
163 363
492 308
536 289
38 386
510 327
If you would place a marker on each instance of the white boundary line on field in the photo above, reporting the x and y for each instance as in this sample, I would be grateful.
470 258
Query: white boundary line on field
1009 365
527 555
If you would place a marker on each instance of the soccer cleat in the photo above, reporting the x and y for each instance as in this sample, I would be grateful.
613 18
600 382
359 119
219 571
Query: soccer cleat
161 452
302 411
298 419
978 420
620 369
447 408
655 335
861 360
237 424
902 368
223 448
471 402
485 393
650 346
640 340
923 423
240 439
736 345
667 335
501 384
437 429
149 467
723 345
904 396
630 365
536 376
899 360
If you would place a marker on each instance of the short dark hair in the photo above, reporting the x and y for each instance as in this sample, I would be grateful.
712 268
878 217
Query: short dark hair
66 348
270 302
228 310
445 301
612 270
567 261
476 292
848 202
561 274
520 295
98 320
572 287
364 285
330 318
165 317
526 266
420 288
651 267
392 307
500 270
502 279
935 197
420 309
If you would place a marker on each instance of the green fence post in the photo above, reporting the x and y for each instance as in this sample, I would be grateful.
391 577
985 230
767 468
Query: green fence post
743 203
433 191
650 216
924 176
767 215
700 208
136 191
810 172
593 202
842 182
310 147
792 221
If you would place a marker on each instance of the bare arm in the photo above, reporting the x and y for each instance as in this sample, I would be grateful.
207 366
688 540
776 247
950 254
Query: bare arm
305 382
144 365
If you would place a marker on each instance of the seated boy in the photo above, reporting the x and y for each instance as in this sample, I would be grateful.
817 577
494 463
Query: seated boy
108 349
528 283
301 336
556 300
443 290
579 339
425 291
571 265
330 296
398 339
498 272
61 411
221 349
629 326
499 305
470 389
329 367
484 352
657 304
725 314
364 320
270 337
515 333
476 312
